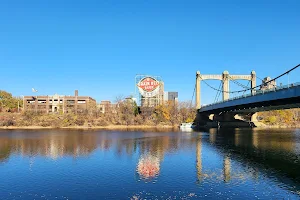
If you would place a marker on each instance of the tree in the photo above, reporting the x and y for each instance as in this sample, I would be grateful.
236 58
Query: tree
187 112
126 110
162 113
8 102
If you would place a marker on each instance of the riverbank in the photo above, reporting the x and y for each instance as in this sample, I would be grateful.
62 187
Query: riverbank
130 127
109 127
279 126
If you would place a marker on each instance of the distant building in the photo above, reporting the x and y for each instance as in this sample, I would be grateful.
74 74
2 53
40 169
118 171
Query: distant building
106 106
267 84
131 99
171 96
58 103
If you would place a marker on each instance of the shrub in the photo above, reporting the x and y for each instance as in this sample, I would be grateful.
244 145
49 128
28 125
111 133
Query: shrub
101 122
8 122
272 119
45 123
69 120
79 122
56 123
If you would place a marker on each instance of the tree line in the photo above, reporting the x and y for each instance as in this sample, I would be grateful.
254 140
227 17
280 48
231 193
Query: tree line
125 112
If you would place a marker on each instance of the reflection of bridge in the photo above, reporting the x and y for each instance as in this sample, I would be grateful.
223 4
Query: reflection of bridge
258 150
200 174
246 106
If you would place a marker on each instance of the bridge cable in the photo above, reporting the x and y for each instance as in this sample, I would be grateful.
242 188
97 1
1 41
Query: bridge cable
287 72
218 92
239 84
247 86
193 96
222 84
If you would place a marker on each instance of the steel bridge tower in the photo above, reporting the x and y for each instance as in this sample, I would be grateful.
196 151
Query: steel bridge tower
225 77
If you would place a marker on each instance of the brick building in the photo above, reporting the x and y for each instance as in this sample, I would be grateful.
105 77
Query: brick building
107 107
58 103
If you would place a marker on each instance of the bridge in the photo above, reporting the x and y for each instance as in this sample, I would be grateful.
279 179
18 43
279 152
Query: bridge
242 110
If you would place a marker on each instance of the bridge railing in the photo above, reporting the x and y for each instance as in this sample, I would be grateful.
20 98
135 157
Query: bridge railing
258 92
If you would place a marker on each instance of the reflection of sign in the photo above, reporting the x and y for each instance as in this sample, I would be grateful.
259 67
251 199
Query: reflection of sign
148 167
148 87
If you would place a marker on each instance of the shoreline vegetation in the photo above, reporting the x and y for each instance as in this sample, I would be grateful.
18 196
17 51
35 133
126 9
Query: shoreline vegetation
31 120
125 127
126 115
109 127
117 121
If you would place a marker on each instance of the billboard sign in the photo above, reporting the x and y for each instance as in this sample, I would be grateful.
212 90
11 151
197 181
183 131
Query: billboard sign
148 87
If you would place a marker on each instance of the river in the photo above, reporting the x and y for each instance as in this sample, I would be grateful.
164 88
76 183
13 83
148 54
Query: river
93 164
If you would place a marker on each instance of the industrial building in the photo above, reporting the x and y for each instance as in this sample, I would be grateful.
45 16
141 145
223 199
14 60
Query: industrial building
58 103
107 107
267 84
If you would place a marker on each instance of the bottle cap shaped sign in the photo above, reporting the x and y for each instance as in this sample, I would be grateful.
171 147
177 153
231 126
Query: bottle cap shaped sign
148 87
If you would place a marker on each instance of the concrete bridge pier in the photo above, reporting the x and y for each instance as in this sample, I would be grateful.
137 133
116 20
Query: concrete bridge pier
224 117
202 119
232 119
227 119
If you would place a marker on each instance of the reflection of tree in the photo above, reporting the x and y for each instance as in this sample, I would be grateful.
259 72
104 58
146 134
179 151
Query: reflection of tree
56 143
5 150
262 139
152 147
50 145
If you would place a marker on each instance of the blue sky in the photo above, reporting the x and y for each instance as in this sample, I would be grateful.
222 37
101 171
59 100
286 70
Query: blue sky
98 47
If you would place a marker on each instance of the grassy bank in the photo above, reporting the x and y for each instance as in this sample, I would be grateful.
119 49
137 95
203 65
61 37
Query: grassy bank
110 127
31 120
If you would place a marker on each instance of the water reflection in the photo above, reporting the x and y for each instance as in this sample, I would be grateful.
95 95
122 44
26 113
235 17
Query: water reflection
218 157
227 169
148 166
275 152
199 158
48 144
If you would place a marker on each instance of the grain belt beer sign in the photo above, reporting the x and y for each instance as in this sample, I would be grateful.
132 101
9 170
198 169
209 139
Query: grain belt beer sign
148 87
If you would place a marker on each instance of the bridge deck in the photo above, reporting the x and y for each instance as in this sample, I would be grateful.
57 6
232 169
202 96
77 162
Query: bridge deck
281 96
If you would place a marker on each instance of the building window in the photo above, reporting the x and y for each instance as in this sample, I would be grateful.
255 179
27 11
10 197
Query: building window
81 101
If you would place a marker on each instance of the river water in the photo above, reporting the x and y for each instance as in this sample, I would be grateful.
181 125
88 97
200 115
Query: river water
89 164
